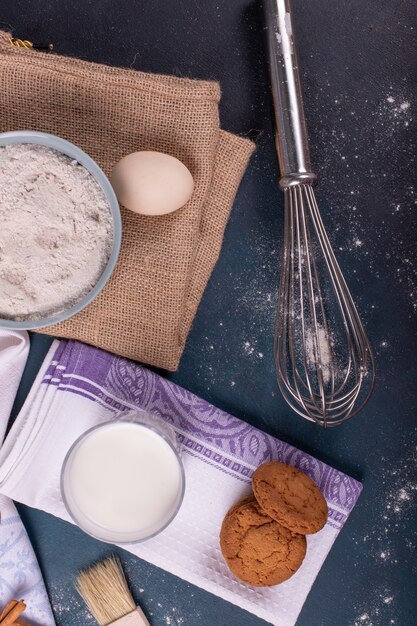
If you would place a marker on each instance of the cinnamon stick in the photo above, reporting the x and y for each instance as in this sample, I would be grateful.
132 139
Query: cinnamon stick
10 618
7 609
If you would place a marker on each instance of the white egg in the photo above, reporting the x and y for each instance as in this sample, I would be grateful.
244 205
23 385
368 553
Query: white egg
152 183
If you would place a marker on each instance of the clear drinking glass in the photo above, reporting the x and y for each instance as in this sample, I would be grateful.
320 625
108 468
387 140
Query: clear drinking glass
123 481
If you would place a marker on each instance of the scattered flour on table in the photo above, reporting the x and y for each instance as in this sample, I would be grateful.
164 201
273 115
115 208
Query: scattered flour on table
56 231
364 134
385 541
250 348
69 608
380 611
172 620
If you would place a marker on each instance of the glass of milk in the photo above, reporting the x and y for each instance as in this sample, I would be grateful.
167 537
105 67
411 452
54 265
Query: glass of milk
123 481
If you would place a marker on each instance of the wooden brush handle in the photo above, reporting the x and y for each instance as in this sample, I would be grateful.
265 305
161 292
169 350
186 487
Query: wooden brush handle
136 618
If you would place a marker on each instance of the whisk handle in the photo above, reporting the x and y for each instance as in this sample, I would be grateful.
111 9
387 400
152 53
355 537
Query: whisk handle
291 138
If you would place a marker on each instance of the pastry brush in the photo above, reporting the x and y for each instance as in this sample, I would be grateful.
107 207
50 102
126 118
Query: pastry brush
104 590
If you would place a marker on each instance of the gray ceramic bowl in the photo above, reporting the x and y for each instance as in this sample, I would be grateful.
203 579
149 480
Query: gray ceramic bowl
72 151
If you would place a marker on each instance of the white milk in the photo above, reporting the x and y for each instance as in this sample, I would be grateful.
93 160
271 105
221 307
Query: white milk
122 482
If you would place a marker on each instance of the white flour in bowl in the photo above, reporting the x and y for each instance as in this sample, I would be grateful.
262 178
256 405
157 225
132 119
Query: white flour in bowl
56 231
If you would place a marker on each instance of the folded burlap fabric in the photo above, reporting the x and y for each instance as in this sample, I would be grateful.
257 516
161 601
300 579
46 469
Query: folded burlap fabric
146 310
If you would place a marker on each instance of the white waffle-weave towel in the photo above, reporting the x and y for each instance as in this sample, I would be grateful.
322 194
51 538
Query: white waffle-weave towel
79 386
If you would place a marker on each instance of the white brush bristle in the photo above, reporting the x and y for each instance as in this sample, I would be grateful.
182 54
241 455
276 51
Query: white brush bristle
105 591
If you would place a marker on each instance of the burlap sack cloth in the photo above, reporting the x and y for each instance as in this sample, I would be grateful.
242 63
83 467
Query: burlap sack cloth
146 310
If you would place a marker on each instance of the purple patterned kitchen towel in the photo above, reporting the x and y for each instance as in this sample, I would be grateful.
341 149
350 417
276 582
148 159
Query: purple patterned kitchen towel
79 386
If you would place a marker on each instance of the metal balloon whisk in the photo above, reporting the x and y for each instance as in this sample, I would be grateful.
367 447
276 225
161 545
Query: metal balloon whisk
325 366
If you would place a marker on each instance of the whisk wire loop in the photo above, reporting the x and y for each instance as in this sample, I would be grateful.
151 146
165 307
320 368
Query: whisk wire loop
325 365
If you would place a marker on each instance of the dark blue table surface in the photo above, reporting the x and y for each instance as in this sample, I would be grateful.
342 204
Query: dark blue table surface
359 70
